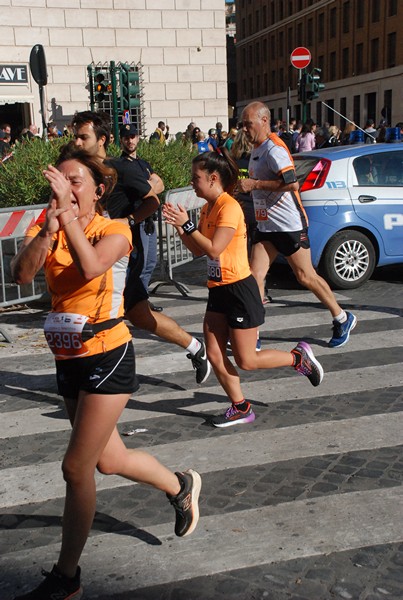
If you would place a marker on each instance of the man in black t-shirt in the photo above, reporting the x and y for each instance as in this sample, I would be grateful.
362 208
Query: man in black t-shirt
135 199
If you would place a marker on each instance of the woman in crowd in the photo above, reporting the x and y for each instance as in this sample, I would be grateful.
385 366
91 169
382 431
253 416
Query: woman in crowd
240 152
234 307
306 140
85 257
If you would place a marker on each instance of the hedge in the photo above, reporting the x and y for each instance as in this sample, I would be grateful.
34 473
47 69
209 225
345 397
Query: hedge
23 184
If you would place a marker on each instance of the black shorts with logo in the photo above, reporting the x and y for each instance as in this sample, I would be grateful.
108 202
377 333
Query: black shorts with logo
112 372
240 302
285 242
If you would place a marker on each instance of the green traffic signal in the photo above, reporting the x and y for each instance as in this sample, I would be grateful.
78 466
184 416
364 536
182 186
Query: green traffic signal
129 88
313 85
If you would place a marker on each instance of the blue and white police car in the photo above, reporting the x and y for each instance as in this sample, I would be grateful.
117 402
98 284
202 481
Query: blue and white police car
353 196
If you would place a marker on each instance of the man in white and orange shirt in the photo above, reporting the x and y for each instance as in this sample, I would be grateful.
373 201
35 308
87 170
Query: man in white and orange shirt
281 218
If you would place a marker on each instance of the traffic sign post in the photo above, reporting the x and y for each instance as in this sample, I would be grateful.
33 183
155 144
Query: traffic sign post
300 58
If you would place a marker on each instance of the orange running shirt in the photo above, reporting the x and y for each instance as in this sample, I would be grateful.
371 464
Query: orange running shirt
99 299
232 264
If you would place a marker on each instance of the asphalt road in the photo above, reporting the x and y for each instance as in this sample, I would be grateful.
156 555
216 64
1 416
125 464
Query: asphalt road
306 503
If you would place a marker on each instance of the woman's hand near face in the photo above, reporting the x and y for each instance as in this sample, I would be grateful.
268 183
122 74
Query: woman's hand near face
52 224
60 186
174 215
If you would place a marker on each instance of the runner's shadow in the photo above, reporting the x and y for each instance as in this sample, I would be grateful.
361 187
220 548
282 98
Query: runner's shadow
102 523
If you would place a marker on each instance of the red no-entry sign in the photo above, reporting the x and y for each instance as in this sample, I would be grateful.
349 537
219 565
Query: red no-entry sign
300 57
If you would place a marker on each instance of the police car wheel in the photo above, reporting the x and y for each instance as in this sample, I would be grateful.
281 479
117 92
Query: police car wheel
348 260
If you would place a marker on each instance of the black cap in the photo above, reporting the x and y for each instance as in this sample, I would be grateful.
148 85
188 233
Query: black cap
127 130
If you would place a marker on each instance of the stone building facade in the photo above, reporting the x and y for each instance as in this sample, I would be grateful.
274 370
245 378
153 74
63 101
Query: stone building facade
181 45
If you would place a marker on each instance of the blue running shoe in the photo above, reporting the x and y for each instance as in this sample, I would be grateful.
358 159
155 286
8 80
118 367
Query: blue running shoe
341 331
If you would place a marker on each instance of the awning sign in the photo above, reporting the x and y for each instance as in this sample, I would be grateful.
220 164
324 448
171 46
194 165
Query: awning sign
13 74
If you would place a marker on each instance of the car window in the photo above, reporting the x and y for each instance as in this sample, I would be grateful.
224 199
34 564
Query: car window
384 168
303 166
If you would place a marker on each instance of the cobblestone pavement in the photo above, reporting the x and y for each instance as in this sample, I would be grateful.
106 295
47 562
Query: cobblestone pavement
306 503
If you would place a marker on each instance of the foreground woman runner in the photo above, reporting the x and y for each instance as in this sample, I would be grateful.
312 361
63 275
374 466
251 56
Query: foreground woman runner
234 307
85 258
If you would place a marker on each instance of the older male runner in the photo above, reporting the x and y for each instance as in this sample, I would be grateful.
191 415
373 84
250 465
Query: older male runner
282 222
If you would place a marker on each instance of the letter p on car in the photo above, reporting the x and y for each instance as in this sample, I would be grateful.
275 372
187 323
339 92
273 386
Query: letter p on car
391 221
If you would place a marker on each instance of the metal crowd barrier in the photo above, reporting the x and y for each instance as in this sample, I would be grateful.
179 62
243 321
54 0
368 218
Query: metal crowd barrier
14 222
172 252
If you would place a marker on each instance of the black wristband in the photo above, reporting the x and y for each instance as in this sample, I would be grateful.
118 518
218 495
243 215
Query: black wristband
189 227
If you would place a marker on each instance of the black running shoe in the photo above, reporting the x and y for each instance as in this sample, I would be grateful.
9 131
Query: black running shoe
200 363
307 364
186 503
56 586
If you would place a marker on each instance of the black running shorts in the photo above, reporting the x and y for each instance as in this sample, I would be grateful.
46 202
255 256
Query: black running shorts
285 242
112 372
240 302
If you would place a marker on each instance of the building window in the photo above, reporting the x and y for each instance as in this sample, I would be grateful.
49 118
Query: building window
250 25
250 54
357 109
375 11
257 53
273 46
392 9
345 62
321 27
281 11
321 65
257 20
333 22
265 84
360 14
391 50
343 111
273 82
281 80
290 40
272 13
244 58
332 66
299 35
251 93
258 90
281 44
359 55
374 54
264 16
346 17
290 8
243 28
264 51
309 33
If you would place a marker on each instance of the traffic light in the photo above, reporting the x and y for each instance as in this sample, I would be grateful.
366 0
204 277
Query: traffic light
302 89
313 85
129 81
102 87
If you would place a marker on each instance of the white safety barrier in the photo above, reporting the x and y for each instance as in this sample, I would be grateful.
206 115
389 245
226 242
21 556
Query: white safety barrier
172 252
14 223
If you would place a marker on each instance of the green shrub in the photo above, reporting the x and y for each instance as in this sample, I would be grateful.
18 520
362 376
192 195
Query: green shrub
23 184
21 180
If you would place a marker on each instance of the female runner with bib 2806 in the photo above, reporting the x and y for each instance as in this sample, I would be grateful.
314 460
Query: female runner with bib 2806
85 257
234 307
